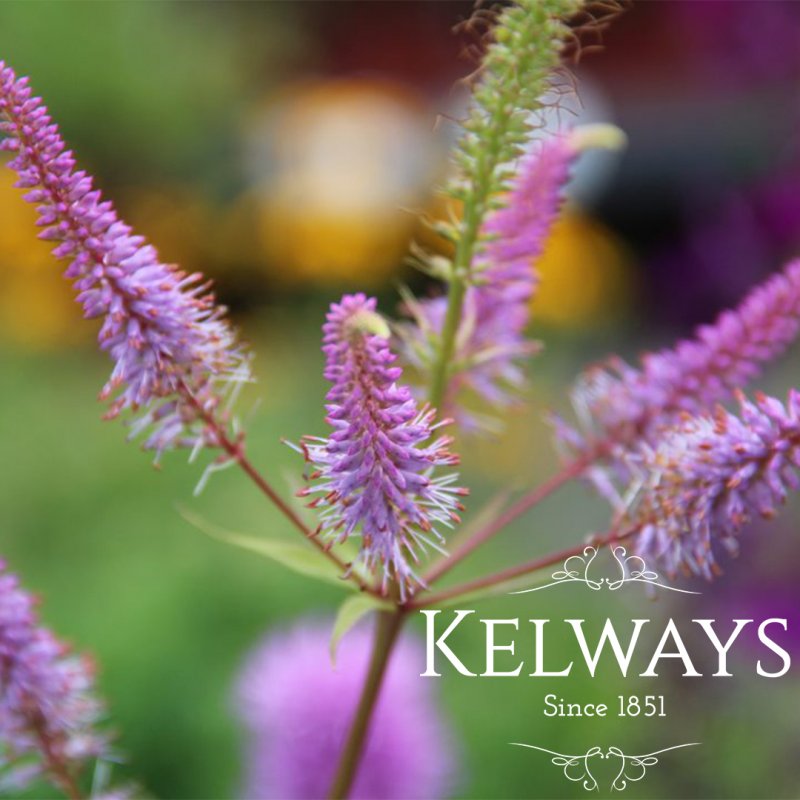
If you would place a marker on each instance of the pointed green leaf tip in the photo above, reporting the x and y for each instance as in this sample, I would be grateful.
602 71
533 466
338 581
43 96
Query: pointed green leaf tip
299 558
350 612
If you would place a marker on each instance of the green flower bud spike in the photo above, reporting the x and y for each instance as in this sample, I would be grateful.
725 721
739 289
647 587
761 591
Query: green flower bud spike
516 73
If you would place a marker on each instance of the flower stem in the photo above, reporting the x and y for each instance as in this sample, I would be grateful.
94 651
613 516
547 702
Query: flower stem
509 574
235 450
387 628
494 526
452 320
475 207
56 767
516 70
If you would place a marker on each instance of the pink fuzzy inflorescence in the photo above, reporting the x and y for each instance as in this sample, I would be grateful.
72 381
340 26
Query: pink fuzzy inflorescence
297 707
619 406
48 710
374 474
710 474
172 348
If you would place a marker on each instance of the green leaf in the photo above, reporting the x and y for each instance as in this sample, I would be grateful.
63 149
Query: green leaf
300 558
349 613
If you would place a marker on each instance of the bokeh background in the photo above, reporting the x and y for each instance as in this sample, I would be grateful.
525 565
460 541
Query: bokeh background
288 150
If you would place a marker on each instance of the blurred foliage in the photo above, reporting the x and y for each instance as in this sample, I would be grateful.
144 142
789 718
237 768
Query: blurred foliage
145 88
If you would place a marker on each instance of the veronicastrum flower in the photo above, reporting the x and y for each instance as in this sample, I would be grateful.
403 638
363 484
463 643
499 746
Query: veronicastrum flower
172 347
710 474
48 710
620 406
516 81
374 474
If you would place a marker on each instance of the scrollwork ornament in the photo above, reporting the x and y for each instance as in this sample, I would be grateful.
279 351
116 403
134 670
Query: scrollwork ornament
632 769
632 569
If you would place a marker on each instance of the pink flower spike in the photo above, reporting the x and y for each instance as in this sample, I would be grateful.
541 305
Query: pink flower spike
710 475
620 407
48 709
373 475
491 346
172 348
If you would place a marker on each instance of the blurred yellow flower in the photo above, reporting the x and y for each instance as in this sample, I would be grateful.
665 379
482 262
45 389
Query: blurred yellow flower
37 308
337 162
191 230
586 274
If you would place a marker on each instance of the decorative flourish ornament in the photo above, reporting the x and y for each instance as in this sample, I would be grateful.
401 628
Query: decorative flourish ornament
632 569
577 768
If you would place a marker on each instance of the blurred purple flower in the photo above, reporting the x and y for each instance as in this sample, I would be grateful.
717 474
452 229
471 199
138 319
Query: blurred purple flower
514 235
738 43
709 475
48 710
374 472
620 406
297 709
170 344
721 256
759 588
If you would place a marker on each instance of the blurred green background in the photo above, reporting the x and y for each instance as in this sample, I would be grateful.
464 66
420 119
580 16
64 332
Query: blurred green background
287 150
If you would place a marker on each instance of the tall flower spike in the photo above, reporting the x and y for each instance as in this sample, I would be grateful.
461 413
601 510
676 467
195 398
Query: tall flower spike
518 74
172 348
48 710
515 234
711 474
373 474
619 406
491 345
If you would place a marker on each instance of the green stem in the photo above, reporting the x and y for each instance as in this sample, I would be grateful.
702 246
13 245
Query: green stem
441 369
475 206
473 218
387 628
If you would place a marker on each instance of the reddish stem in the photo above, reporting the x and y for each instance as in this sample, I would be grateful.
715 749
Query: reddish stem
235 450
56 767
514 572
388 625
521 506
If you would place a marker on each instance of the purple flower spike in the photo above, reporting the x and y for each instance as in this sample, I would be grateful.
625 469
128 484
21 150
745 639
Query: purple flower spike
373 474
515 235
170 344
47 707
620 406
491 345
297 708
711 474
